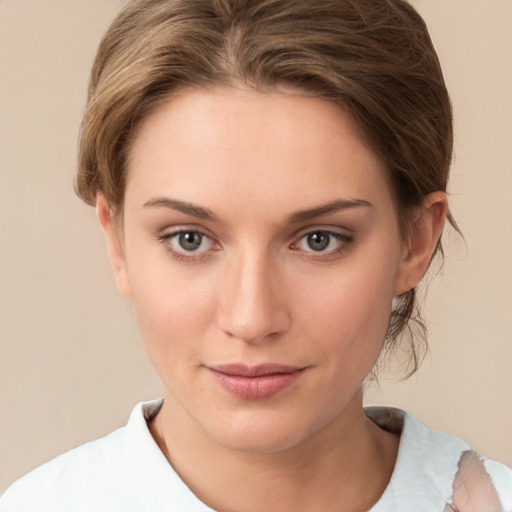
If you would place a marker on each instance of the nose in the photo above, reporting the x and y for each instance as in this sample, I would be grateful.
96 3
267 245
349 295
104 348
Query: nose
252 306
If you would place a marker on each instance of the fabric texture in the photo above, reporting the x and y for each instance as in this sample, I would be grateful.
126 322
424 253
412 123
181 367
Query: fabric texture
126 471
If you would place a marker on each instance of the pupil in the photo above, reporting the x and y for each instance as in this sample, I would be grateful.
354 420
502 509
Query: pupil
318 241
190 241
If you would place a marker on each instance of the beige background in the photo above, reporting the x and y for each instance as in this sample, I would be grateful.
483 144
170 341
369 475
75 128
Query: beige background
71 362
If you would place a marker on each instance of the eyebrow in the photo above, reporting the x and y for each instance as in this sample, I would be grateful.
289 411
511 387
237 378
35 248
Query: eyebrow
181 206
331 207
204 213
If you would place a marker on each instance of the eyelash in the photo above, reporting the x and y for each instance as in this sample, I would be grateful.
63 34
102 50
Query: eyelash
184 255
344 240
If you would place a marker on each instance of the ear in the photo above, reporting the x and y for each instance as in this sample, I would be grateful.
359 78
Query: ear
114 245
421 243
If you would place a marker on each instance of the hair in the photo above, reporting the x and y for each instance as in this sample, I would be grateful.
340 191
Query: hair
374 58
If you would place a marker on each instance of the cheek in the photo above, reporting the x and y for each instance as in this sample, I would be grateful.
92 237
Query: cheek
350 313
173 310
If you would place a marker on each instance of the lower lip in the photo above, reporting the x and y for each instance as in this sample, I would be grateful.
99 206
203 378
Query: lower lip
256 388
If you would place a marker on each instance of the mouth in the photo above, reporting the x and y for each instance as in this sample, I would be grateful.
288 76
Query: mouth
255 382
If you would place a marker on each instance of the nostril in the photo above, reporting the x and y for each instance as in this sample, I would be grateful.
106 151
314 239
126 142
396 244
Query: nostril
264 327
251 305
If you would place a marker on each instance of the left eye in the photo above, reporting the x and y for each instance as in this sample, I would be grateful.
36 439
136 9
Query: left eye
321 241
189 241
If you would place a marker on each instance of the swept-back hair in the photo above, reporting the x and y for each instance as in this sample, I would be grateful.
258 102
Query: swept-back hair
372 57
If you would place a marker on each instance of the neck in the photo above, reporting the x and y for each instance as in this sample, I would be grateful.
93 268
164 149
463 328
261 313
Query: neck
344 467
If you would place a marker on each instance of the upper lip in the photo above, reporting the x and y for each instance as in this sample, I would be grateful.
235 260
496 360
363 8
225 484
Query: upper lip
243 370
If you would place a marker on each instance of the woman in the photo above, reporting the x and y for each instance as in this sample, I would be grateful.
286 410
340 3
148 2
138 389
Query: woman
270 177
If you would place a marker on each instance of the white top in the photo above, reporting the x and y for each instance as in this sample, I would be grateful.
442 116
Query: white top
126 471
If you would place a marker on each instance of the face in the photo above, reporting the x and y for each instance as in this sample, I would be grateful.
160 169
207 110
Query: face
262 251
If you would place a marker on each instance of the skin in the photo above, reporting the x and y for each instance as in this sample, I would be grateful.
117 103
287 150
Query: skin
259 170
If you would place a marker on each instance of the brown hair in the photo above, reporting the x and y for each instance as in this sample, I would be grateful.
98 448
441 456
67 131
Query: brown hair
373 57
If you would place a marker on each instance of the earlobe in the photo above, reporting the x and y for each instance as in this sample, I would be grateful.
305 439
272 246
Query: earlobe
422 241
114 245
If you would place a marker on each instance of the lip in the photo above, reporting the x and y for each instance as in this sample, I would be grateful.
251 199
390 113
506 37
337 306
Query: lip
255 382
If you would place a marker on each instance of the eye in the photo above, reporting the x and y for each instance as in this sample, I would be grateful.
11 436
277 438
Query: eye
323 242
189 240
319 241
187 243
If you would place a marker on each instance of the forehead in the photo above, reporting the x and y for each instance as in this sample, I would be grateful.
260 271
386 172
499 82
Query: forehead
243 147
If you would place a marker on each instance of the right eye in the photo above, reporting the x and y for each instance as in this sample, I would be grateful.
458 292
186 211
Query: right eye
189 240
187 243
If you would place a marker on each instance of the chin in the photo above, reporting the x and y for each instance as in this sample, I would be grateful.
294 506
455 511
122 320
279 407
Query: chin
262 433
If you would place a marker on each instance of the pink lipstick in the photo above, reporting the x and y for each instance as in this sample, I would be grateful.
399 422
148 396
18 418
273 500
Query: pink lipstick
255 382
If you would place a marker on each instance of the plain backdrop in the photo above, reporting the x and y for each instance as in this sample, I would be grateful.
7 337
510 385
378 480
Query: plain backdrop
72 365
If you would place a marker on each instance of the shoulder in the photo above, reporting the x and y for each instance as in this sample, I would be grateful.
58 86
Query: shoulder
95 463
438 471
94 476
124 471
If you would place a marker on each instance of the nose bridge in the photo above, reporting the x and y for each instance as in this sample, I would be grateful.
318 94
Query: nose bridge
252 308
